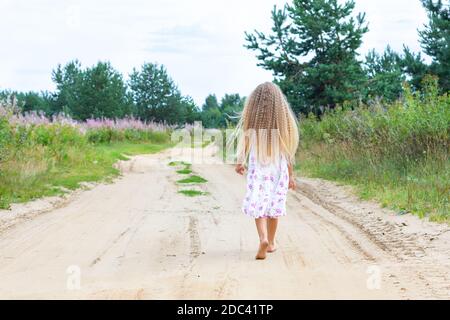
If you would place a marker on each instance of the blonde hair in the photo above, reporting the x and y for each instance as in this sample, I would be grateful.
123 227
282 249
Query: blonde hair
267 123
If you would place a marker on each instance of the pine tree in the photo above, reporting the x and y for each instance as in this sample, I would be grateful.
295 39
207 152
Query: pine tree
157 97
413 66
312 52
210 103
385 75
435 40
94 92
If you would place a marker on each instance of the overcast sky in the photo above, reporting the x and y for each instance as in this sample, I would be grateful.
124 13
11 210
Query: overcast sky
199 41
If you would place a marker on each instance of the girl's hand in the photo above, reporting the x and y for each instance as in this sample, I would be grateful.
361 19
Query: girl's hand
240 169
292 183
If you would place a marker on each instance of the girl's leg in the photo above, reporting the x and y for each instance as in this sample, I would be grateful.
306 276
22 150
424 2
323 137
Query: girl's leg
272 225
261 226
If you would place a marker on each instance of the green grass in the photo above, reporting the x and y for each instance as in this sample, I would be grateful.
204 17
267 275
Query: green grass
192 193
199 144
192 179
187 167
205 144
179 163
421 189
39 160
33 173
121 150
396 155
194 143
184 171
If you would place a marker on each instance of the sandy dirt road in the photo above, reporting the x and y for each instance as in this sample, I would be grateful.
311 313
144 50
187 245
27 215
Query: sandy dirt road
138 238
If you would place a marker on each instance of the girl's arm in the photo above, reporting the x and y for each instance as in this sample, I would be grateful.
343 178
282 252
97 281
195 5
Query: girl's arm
240 166
292 183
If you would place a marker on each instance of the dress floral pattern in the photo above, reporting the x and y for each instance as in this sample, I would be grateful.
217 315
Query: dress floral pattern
267 187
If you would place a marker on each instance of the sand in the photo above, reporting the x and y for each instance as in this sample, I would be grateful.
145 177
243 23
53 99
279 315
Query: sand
138 238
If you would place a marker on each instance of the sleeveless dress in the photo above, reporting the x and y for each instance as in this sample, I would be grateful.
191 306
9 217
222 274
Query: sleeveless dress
267 187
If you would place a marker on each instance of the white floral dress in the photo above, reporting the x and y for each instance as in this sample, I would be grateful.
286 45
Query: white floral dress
267 187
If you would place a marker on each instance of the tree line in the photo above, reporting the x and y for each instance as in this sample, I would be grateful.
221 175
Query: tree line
100 91
312 52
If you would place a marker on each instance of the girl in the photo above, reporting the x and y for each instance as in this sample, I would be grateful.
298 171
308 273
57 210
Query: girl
267 136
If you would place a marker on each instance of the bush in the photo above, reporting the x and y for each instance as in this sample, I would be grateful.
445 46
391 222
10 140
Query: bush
398 149
38 156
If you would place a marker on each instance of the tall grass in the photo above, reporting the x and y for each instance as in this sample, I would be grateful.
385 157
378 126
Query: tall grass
396 154
41 156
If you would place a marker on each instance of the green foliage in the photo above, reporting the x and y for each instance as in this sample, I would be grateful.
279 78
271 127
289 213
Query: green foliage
396 153
178 163
46 159
187 167
157 98
312 52
193 179
184 171
29 156
211 102
215 115
108 135
230 106
6 136
96 92
192 193
30 101
385 76
100 92
212 118
435 40
414 67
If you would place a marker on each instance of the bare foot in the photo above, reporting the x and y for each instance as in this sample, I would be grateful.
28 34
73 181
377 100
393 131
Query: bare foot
261 255
271 248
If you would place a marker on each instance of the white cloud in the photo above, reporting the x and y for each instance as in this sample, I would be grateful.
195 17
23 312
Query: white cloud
199 41
392 22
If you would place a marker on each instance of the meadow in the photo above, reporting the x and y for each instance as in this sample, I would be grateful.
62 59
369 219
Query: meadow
394 153
40 156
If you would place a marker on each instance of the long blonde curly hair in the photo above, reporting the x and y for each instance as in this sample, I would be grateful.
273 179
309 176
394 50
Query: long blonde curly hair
268 124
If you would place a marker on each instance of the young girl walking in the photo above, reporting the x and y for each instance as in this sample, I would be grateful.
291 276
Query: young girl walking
267 135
